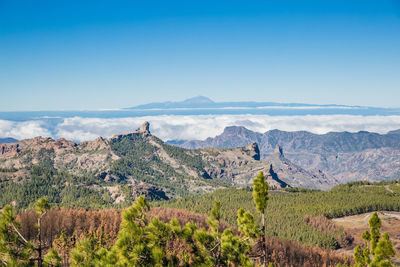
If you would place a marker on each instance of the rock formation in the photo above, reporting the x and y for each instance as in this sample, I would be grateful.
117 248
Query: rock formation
145 131
9 150
254 151
278 150
272 178
294 175
146 127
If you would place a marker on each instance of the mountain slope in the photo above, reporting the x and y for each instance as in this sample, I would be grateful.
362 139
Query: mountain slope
347 156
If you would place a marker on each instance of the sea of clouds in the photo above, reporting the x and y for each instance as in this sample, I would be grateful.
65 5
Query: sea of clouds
22 130
188 127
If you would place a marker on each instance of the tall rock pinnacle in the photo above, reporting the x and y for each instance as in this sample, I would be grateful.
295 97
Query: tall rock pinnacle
278 150
254 151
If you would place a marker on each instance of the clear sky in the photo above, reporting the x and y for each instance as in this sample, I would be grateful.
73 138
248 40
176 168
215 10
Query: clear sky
111 54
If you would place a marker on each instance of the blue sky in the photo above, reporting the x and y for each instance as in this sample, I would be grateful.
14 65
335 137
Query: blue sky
111 54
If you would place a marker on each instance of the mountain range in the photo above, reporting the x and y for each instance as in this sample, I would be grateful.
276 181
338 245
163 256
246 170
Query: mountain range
254 107
342 155
205 102
124 166
120 168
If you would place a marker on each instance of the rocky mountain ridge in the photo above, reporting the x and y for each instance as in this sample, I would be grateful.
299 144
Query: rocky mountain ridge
135 163
76 157
343 155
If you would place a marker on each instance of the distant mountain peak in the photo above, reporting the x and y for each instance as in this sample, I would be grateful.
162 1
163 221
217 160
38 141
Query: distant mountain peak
234 129
204 105
8 140
194 102
198 100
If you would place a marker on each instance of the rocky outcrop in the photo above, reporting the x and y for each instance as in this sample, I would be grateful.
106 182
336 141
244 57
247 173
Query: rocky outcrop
150 191
99 143
9 150
239 166
296 176
272 178
75 157
254 151
146 128
278 150
145 131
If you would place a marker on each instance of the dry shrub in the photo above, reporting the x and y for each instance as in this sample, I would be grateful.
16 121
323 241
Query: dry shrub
325 225
73 222
77 223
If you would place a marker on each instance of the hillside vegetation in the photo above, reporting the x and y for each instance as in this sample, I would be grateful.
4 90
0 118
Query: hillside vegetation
287 213
293 216
59 187
143 237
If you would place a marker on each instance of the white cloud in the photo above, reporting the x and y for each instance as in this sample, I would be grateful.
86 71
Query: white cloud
22 130
202 126
169 127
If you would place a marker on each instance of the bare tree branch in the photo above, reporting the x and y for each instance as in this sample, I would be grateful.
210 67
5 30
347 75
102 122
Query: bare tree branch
20 235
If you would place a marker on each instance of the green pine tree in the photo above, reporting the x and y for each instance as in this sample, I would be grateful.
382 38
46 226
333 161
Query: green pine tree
41 208
377 250
15 250
52 259
260 197
88 252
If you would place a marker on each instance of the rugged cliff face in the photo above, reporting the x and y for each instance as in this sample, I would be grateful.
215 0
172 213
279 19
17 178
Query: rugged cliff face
342 155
